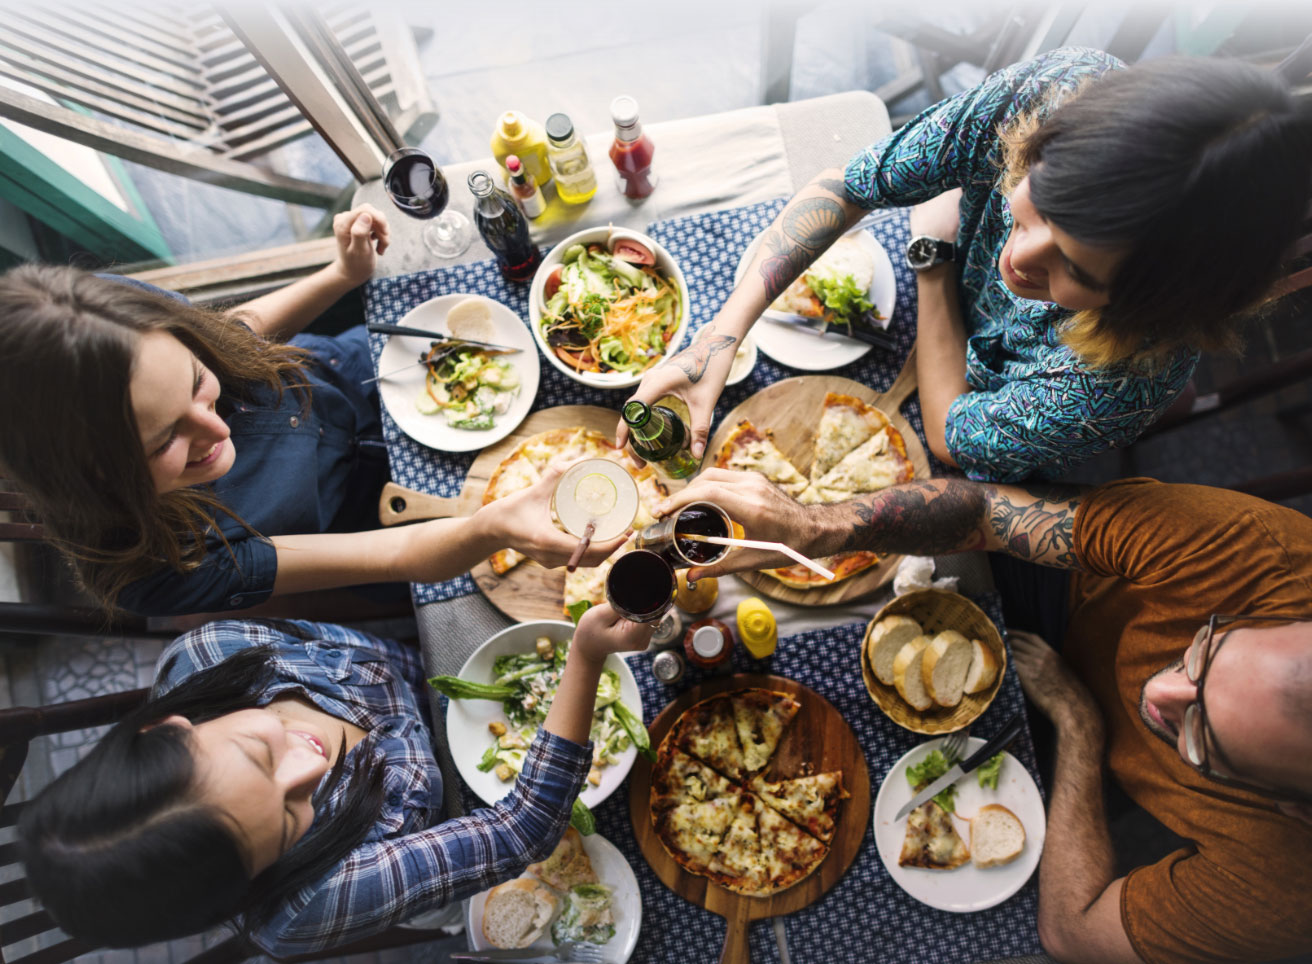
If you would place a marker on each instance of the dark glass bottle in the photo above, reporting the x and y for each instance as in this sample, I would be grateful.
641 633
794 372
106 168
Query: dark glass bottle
504 228
659 436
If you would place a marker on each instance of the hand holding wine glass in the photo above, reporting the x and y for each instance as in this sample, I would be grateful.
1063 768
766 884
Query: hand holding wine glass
416 185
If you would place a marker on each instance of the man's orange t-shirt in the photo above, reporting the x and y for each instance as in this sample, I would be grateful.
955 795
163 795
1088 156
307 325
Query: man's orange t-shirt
1159 560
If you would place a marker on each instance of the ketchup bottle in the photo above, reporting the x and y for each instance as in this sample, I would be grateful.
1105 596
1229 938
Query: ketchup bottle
632 150
708 644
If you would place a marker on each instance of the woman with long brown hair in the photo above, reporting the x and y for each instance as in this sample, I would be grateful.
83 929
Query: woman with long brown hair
187 460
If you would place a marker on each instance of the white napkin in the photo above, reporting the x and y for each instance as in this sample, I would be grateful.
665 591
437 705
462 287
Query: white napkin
917 572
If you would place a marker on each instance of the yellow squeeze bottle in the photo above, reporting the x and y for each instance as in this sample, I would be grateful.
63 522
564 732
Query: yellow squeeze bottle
526 139
756 627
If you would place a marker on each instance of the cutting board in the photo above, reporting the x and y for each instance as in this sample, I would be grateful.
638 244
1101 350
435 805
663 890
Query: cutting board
791 410
818 736
527 592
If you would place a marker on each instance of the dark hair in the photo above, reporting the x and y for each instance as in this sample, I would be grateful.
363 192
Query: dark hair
70 439
121 852
1201 168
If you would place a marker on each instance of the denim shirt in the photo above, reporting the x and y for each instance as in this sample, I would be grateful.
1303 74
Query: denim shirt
296 471
1034 408
410 861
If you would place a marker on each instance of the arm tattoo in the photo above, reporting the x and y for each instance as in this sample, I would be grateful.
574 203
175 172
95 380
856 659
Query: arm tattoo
833 185
1042 530
694 359
808 227
919 518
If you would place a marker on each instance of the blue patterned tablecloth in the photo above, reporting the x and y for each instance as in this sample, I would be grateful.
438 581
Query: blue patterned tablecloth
708 248
866 916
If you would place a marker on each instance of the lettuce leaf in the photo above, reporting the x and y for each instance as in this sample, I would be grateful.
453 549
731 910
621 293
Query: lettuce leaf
988 772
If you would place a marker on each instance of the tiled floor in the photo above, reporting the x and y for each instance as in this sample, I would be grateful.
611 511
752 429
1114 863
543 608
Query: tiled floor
479 62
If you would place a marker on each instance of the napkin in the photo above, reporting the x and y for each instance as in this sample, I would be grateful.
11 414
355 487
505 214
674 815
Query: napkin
917 572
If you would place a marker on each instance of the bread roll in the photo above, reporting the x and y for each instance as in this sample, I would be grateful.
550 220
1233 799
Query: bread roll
517 912
944 666
983 667
996 836
887 637
907 676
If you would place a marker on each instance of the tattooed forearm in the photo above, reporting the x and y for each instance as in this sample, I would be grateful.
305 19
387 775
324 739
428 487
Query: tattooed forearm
919 518
782 264
833 185
694 360
1036 524
814 222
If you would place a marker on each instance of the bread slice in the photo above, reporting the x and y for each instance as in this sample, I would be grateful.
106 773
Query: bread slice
906 674
887 637
983 667
944 666
517 912
996 836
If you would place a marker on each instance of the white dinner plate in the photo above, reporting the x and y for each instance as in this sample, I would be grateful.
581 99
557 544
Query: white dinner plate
805 348
400 390
626 904
968 888
467 720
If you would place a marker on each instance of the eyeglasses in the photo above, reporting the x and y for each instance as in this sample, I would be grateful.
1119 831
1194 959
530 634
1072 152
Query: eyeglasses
1198 660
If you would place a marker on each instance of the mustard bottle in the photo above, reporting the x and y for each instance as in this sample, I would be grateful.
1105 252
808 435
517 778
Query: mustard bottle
516 134
756 627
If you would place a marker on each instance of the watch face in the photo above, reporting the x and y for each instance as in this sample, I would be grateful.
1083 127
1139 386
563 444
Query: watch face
921 252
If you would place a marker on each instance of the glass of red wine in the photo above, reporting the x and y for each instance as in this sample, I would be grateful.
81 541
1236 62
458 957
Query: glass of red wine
640 586
415 184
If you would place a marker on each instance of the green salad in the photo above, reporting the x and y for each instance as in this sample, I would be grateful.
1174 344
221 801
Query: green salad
525 684
937 763
586 916
468 386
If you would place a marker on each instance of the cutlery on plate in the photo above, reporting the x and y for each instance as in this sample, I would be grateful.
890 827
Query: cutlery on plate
1010 730
781 938
454 344
871 336
382 329
565 951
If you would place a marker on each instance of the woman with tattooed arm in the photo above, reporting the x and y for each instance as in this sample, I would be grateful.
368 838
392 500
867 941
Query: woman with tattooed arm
1083 230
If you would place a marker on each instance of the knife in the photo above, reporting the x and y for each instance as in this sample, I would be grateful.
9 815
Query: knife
437 335
527 955
1010 730
871 336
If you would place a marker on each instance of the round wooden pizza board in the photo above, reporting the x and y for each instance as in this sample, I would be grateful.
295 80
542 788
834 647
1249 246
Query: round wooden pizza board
527 592
790 409
817 740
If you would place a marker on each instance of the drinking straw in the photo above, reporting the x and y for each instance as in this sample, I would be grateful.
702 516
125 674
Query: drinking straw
793 554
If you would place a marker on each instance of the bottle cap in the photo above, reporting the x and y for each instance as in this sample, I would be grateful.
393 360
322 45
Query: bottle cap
512 164
559 127
636 413
511 124
624 111
707 642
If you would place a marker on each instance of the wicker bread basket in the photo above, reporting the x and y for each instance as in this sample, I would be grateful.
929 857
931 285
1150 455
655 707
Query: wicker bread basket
936 611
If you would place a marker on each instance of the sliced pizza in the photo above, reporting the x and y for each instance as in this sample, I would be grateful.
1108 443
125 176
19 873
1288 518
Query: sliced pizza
706 731
932 841
845 565
568 866
692 832
877 463
678 778
811 802
845 423
761 716
789 854
738 865
749 450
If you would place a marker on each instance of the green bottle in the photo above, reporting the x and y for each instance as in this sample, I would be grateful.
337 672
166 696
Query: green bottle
658 435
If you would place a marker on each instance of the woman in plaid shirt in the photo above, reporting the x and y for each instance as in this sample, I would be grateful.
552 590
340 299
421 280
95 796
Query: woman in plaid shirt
282 776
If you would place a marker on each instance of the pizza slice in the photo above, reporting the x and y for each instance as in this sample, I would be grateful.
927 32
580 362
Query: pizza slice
845 565
761 716
845 423
932 841
748 450
692 832
788 854
877 463
678 778
738 865
811 802
568 866
706 731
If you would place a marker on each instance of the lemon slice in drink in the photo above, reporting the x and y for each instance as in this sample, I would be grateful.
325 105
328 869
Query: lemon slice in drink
598 491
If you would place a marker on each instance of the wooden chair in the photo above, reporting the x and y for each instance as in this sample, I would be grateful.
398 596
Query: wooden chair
28 934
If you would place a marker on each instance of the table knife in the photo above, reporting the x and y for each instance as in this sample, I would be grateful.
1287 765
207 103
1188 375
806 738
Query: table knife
871 336
382 329
1010 730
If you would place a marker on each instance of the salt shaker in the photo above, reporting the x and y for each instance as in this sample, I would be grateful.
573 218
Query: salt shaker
667 666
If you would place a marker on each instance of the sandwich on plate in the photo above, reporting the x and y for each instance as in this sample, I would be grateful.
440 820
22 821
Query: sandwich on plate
835 287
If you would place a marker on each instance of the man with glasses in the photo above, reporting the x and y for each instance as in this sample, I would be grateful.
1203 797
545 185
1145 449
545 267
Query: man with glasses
1184 619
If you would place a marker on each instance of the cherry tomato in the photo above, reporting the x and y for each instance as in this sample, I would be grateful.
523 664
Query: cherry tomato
633 252
552 284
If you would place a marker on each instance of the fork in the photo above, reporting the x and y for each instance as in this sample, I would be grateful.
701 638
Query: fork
580 951
954 745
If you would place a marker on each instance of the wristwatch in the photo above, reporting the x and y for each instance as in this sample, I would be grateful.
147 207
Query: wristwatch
925 251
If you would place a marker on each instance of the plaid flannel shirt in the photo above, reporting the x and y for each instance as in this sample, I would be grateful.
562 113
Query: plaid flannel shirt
409 862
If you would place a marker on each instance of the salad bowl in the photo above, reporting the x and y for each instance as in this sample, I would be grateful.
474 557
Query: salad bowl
467 719
665 265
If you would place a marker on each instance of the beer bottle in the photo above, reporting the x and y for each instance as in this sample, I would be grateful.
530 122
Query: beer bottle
660 437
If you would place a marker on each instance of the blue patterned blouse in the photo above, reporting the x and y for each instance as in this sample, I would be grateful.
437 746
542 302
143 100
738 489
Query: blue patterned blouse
1035 408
